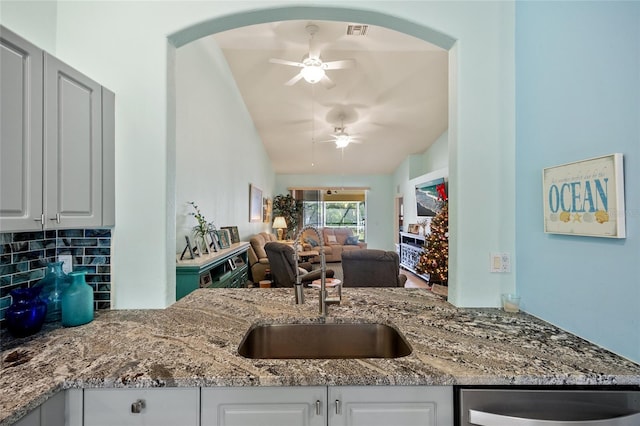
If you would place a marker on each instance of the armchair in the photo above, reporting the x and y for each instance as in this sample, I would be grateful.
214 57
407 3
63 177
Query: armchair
371 268
258 261
283 264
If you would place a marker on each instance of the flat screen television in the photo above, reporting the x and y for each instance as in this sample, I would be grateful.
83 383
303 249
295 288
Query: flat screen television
428 200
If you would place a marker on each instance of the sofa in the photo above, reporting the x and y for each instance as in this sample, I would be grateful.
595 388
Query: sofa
372 268
335 241
258 260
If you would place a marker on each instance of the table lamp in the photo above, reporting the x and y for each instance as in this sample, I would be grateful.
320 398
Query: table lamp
279 224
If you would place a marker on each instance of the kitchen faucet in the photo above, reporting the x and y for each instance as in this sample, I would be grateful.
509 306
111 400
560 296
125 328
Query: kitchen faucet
325 300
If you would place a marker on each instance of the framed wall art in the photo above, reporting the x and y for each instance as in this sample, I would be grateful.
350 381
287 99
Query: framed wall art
255 204
267 208
585 198
413 228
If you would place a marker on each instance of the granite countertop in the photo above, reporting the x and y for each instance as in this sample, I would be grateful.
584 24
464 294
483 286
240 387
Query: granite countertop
194 343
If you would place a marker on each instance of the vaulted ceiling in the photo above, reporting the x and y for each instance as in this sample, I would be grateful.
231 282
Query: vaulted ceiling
394 101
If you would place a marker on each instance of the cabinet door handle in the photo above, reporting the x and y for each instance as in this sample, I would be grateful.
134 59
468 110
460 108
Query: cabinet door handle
138 406
482 418
338 407
56 218
318 407
40 219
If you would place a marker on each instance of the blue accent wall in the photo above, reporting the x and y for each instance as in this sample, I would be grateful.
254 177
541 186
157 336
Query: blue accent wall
577 97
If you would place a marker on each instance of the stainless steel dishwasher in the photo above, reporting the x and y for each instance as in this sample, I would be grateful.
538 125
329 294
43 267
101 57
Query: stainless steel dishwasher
547 407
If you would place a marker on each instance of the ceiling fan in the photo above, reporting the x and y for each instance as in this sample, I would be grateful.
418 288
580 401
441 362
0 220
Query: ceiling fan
313 68
341 138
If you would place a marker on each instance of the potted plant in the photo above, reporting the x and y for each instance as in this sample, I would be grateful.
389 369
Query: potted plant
290 209
203 227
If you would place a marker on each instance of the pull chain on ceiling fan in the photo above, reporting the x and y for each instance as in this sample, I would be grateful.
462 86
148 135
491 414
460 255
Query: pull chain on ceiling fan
313 128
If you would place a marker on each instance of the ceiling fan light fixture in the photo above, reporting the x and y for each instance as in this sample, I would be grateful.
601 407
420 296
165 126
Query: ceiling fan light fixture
312 71
342 140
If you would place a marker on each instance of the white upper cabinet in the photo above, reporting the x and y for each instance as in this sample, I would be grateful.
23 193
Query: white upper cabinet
56 145
73 147
20 133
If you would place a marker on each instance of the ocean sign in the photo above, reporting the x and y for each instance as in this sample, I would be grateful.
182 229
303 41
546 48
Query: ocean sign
585 198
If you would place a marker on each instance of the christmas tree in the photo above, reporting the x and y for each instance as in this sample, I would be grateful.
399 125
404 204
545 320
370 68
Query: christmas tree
434 259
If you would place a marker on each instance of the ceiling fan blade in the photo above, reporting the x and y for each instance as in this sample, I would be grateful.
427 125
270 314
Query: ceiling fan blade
294 80
327 82
336 65
285 62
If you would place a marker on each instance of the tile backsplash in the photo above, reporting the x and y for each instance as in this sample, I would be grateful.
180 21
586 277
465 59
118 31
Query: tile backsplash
24 257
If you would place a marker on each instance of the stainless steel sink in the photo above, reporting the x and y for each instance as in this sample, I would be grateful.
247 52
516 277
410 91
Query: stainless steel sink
341 340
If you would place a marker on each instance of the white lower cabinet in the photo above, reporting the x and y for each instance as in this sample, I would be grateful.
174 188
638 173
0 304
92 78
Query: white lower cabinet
264 406
248 406
137 407
390 405
328 406
50 413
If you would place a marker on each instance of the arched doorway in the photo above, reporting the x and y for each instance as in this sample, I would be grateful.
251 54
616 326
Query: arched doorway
212 26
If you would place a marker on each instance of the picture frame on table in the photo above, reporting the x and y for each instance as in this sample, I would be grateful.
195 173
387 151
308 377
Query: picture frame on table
189 248
214 245
201 246
414 228
235 235
255 204
585 198
224 238
232 265
205 280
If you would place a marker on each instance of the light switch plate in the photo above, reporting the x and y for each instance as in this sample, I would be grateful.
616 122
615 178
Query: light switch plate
500 262
67 262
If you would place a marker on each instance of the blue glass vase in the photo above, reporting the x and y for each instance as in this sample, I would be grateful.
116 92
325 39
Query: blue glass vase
26 313
53 285
77 301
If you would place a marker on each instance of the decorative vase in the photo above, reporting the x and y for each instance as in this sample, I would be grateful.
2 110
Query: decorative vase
26 313
77 301
53 285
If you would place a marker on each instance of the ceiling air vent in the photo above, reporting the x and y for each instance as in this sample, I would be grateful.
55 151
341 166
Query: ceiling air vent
357 30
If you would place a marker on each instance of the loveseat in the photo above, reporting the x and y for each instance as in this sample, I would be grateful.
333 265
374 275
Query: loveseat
335 241
258 260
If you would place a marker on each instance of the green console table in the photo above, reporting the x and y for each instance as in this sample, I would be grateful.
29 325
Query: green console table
225 268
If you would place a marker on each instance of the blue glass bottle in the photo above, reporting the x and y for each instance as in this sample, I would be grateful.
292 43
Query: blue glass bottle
26 313
77 301
53 285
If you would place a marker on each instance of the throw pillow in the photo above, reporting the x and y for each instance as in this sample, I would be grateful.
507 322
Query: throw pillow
311 242
352 240
331 239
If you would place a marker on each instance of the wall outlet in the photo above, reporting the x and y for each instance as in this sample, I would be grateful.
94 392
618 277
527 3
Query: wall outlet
500 262
67 262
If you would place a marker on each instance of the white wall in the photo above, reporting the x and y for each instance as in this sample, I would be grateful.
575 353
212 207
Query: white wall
214 131
379 224
38 19
124 46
